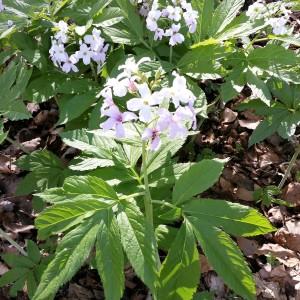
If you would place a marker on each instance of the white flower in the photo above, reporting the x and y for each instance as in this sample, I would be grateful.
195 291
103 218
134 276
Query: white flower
119 86
70 64
143 104
61 35
179 91
10 23
131 67
175 36
85 54
278 25
174 13
256 11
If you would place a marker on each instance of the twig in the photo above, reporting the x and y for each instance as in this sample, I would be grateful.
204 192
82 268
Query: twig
288 171
12 242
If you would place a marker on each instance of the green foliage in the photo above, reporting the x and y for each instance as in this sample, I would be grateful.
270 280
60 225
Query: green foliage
117 201
25 270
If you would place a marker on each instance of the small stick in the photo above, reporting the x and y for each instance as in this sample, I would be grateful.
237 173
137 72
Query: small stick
12 242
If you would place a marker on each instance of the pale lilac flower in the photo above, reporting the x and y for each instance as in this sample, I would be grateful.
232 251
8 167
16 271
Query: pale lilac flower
100 55
174 13
61 35
58 53
143 104
95 40
152 19
144 10
108 102
70 64
1 6
152 135
85 54
173 123
175 36
116 119
159 34
190 18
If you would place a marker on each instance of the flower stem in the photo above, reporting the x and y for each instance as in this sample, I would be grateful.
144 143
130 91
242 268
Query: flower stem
147 199
291 164
12 242
94 72
171 54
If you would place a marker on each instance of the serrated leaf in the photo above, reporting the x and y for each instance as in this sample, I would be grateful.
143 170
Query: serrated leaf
224 14
234 218
19 261
259 88
110 257
137 238
157 159
180 272
61 217
12 276
33 252
197 179
225 257
71 254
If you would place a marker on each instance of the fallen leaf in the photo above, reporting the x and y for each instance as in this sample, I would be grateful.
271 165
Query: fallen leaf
32 144
291 193
228 115
249 247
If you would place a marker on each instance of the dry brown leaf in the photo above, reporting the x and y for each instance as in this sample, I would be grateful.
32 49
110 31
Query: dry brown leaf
249 247
32 144
229 115
292 193
276 250
204 264
243 194
249 124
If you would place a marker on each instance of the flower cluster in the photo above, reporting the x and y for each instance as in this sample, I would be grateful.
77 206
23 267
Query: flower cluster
1 6
166 112
275 14
92 48
177 15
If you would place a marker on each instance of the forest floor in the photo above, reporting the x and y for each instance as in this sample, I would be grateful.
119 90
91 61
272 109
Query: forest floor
273 258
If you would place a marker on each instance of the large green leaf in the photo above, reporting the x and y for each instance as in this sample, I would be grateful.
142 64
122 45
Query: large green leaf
71 254
157 159
138 242
225 257
47 171
197 179
110 257
205 10
272 57
259 88
234 218
63 216
180 272
224 14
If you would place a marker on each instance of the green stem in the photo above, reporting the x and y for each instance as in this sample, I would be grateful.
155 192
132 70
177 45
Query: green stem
171 54
12 242
147 199
291 164
94 72
164 203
